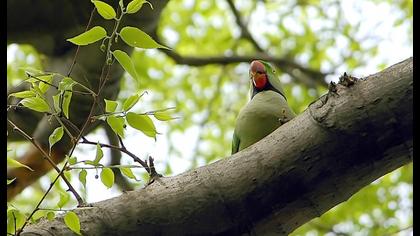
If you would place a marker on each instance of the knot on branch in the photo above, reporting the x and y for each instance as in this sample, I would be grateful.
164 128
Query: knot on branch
153 175
347 80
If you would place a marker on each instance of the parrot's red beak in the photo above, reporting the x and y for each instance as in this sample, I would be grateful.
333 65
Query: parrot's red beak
258 74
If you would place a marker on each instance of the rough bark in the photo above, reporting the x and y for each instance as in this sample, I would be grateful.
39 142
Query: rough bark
341 143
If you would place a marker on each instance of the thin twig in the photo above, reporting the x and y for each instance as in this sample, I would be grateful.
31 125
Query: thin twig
121 142
39 203
47 157
135 158
14 220
101 167
78 47
285 64
90 92
244 29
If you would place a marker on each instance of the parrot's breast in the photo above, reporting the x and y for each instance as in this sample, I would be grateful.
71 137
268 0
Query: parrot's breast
261 116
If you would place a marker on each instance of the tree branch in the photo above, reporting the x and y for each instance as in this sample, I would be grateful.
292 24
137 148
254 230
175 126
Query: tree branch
244 29
339 144
225 60
304 75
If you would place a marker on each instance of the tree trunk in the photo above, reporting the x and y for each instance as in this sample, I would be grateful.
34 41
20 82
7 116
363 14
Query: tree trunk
341 143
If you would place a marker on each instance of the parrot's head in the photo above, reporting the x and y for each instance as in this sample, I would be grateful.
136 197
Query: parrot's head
258 75
263 78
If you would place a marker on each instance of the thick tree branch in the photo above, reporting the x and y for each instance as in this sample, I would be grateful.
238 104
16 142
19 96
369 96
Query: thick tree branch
225 60
341 143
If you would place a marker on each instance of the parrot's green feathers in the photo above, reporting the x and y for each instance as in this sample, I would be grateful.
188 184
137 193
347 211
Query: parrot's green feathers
266 111
235 143
272 78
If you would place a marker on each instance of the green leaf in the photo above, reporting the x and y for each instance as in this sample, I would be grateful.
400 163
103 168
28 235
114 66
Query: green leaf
142 123
66 84
105 10
23 94
9 181
116 124
72 160
139 39
56 136
95 34
15 164
162 116
110 105
64 198
126 62
15 220
107 177
56 100
38 215
45 86
35 103
36 89
130 102
72 221
89 162
128 172
82 177
99 154
66 103
135 5
50 215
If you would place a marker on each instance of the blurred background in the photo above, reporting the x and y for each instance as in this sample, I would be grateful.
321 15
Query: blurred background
323 39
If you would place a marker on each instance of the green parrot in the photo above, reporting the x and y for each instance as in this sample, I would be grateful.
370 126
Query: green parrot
266 111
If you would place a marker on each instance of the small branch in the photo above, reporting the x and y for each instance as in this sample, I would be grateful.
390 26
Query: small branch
244 29
225 60
51 209
14 220
120 180
78 47
39 203
73 126
288 65
64 127
47 157
121 142
152 174
90 92
101 167
135 158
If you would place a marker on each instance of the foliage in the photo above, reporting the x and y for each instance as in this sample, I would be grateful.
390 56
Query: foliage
36 99
320 35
